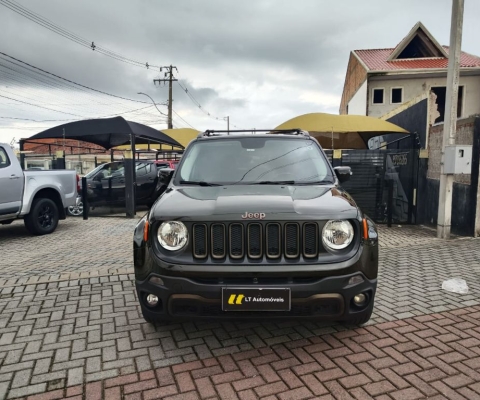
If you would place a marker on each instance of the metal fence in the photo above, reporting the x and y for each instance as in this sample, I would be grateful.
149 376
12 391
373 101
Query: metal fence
382 182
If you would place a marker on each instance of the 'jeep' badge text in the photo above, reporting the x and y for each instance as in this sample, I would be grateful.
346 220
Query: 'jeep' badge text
248 215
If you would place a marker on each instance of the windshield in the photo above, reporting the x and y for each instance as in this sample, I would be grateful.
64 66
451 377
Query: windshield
254 160
108 170
94 171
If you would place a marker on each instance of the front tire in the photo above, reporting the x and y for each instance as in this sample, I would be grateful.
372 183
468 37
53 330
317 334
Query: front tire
43 217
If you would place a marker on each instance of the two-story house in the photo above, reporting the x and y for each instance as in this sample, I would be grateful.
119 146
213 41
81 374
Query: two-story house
406 85
380 80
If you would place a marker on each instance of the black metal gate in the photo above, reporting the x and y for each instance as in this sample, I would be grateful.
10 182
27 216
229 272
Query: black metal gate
383 182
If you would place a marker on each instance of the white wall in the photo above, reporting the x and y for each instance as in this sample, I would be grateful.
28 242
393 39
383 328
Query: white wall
358 104
413 87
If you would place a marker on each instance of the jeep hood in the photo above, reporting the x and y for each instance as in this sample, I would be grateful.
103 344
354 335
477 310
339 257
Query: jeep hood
277 202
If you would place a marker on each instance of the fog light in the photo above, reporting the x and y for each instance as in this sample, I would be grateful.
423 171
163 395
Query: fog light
152 300
359 299
355 279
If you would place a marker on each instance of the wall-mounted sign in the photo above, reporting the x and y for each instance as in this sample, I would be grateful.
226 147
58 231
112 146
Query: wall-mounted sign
399 159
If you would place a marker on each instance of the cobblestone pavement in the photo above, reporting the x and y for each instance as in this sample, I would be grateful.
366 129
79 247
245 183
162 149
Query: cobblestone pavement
70 327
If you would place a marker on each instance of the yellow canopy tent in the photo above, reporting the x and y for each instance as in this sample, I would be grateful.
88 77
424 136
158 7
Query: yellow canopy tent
182 135
341 131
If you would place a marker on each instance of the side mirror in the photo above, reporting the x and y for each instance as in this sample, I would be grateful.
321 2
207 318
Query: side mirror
343 173
165 176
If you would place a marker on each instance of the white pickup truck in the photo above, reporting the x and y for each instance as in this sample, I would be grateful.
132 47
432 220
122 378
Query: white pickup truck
39 197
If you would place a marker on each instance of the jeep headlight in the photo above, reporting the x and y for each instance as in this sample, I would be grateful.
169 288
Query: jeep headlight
172 235
337 234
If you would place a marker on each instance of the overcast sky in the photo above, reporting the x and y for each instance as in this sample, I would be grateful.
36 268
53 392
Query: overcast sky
261 62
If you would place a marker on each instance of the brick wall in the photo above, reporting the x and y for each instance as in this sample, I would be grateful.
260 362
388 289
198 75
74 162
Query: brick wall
57 145
356 75
464 135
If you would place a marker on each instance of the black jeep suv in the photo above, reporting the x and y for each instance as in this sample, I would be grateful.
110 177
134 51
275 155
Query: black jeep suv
256 226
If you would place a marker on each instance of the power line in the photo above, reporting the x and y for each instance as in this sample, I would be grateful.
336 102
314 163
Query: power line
36 120
183 119
70 81
24 127
24 76
197 103
38 19
44 22
36 105
62 120
40 97
50 81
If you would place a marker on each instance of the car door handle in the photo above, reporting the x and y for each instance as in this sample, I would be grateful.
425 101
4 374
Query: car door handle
122 181
14 177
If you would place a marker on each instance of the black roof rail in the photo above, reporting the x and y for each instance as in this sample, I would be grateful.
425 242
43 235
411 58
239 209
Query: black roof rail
295 131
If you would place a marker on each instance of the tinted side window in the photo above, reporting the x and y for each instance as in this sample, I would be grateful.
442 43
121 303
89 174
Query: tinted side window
4 160
143 169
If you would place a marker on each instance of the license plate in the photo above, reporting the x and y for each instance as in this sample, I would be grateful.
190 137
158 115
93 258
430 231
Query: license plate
258 299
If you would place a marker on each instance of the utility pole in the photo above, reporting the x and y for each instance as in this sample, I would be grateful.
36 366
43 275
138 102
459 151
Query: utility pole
168 77
228 124
450 124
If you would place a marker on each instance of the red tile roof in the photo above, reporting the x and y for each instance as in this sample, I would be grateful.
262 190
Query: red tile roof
376 60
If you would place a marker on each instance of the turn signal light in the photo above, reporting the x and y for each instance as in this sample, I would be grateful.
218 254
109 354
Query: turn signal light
356 279
156 280
145 231
365 229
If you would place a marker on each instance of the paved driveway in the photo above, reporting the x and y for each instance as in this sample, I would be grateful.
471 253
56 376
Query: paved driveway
70 327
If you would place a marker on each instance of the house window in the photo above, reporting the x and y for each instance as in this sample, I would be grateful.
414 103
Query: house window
378 96
441 92
396 96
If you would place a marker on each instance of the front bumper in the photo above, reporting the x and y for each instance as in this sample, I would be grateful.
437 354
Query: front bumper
328 298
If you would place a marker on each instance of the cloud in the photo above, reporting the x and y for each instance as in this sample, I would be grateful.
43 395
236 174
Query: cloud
260 62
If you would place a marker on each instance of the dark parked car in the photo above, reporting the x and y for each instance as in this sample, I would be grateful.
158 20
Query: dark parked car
106 184
172 164
256 226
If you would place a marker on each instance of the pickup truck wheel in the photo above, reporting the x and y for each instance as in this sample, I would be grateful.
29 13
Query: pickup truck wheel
43 217
75 211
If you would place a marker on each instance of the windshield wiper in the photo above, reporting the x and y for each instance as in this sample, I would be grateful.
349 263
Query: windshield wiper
324 182
291 182
274 183
199 183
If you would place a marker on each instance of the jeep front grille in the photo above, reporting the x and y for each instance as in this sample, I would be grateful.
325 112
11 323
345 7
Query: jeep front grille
218 240
255 240
200 241
236 240
291 240
310 240
274 240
